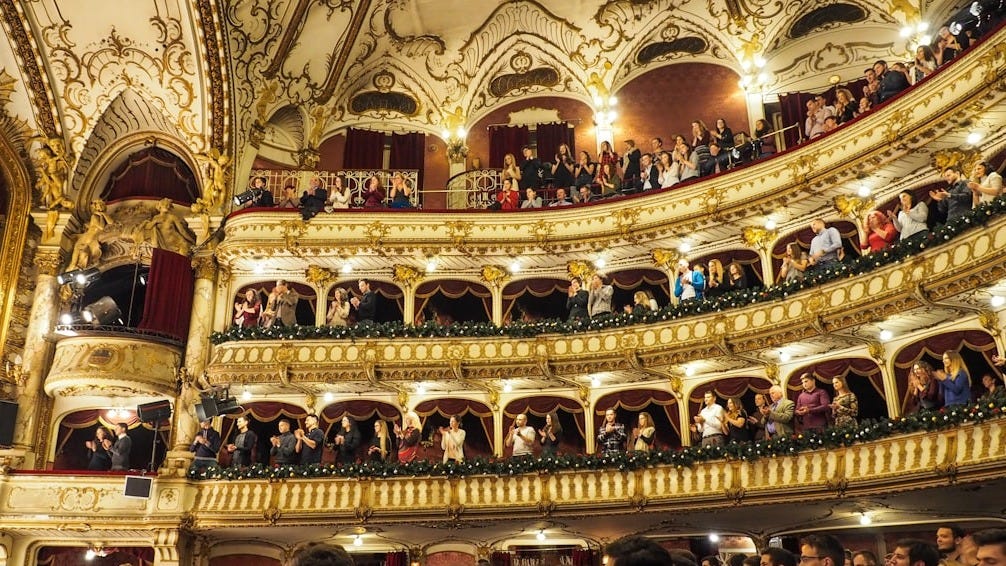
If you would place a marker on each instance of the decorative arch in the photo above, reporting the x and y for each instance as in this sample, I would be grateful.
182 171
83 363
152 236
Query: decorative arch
629 403
535 299
847 229
863 375
152 172
15 180
363 412
262 416
76 427
748 259
743 387
449 301
476 418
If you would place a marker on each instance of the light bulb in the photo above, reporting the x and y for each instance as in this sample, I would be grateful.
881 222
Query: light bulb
685 247
997 301
785 356
974 137
595 381
421 389
770 224
865 519
689 371
864 191
886 335
600 263
507 387
246 395
329 397
357 540
713 537
347 268
90 554
431 266
514 266
540 535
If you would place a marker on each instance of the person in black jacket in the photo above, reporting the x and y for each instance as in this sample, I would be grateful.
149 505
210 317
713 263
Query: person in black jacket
311 442
891 82
244 444
121 449
284 445
577 301
98 458
530 171
346 440
366 306
956 200
313 200
205 445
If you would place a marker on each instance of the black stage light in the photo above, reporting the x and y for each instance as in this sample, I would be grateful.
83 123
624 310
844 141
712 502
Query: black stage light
246 196
102 312
80 277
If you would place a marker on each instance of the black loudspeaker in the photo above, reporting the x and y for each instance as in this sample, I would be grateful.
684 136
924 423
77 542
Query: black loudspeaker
137 486
8 416
206 409
154 412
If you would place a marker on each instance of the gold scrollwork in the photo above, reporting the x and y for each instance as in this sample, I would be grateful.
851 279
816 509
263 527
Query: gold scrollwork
407 275
579 269
319 275
758 238
852 207
494 275
292 231
666 259
963 158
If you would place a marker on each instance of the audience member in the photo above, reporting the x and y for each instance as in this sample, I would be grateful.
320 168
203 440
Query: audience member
756 420
715 285
991 384
991 545
245 442
878 232
812 405
710 423
560 198
373 193
687 160
871 92
864 558
955 381
584 171
577 302
452 440
649 175
778 414
765 137
891 82
640 303
925 63
511 171
562 168
914 552
723 134
205 445
910 218
947 46
508 198
285 304
824 248
289 198
366 304
775 556
644 434
688 284
821 550
247 310
737 421
284 445
409 437
262 196
956 200
830 124
608 180
550 435
584 195
611 435
122 448
400 193
923 388
310 443
346 440
845 105
530 170
636 550
948 541
667 172
599 297
521 437
338 309
313 200
532 199
99 459
736 278
382 446
719 159
322 554
845 405
340 198
985 183
630 173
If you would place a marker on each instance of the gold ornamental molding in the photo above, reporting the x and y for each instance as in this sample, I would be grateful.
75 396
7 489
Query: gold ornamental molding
112 367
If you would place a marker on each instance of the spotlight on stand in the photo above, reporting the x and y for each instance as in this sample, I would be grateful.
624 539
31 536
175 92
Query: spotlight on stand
102 312
246 197
79 277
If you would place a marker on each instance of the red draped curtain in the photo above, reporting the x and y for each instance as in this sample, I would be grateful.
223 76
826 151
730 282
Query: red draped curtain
364 149
75 556
397 558
168 303
388 291
152 172
824 372
78 426
453 290
539 288
550 137
408 151
540 406
794 111
933 347
637 400
724 388
504 140
449 407
361 411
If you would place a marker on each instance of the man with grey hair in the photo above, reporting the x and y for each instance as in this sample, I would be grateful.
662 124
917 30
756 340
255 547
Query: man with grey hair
778 414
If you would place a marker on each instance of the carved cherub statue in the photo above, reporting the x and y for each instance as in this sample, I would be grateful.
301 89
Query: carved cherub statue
167 231
87 248
52 167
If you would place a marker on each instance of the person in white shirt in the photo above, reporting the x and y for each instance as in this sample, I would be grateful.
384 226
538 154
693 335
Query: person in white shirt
521 437
710 422
985 183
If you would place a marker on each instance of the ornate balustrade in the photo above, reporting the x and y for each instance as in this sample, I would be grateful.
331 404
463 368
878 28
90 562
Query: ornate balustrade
474 189
970 452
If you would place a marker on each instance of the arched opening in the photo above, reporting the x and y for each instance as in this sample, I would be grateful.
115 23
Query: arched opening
661 405
152 172
975 346
529 300
569 411
862 375
364 413
263 418
447 302
741 388
476 419
78 427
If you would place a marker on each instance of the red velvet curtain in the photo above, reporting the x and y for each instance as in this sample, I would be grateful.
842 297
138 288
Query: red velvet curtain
550 137
152 172
824 372
397 558
408 151
243 560
535 287
504 140
359 410
460 407
723 388
168 304
975 340
364 149
794 111
543 405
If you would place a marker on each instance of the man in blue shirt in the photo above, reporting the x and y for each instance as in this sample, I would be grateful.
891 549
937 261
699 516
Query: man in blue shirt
826 245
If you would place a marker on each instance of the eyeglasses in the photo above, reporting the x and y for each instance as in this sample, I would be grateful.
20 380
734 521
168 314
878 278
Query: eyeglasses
804 558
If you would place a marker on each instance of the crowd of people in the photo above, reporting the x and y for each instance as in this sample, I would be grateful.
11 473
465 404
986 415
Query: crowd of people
317 198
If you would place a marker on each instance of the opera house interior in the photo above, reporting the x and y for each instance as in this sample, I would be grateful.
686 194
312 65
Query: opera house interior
452 281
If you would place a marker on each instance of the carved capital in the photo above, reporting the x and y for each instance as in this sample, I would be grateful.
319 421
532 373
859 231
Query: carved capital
580 269
666 259
495 275
407 275
852 207
49 261
319 276
205 267
758 238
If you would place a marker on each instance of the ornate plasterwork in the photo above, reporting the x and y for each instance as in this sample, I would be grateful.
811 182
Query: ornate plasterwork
114 367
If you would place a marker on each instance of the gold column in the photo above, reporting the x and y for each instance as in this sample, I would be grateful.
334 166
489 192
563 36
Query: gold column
762 240
196 355
408 278
37 352
496 277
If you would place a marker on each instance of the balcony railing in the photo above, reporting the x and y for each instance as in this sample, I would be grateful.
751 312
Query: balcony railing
356 179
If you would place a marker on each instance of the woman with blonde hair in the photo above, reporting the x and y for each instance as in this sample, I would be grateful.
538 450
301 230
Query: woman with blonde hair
644 434
640 303
382 446
955 381
338 310
453 440
409 437
844 406
845 105
714 279
510 169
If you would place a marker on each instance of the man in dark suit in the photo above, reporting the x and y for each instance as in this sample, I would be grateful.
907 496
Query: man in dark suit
313 200
366 306
891 82
121 449
649 176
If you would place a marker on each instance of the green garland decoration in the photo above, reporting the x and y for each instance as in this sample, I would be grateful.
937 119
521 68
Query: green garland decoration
985 409
900 251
